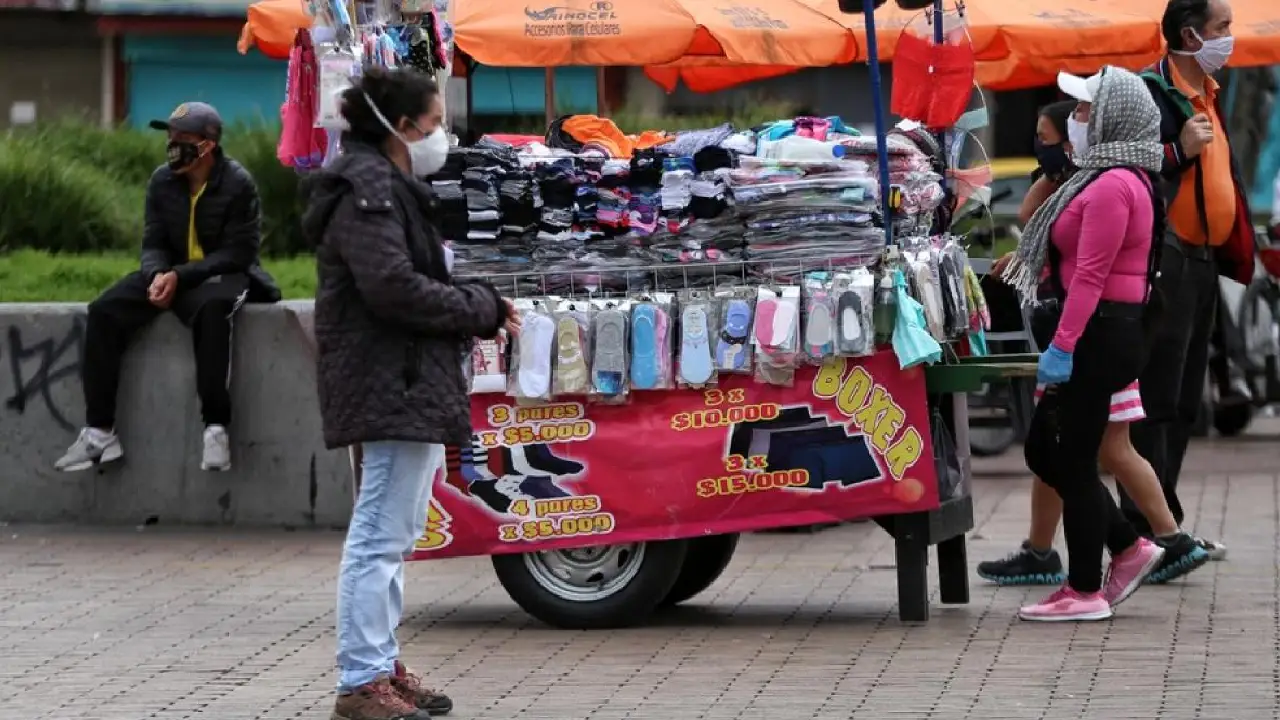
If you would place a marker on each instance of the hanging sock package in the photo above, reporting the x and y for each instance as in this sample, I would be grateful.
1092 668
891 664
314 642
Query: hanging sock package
922 266
854 293
695 366
609 351
488 366
733 346
335 69
531 357
651 329
820 319
775 334
572 375
952 263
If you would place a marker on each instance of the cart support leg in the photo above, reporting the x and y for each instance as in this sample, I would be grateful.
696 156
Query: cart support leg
911 547
953 571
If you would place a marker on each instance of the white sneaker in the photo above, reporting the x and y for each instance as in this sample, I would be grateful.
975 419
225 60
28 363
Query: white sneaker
92 447
217 450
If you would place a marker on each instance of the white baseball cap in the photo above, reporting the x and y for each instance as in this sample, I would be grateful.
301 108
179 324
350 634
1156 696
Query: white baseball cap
1082 89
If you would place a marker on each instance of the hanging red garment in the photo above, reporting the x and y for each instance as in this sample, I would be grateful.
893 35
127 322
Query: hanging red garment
931 83
302 145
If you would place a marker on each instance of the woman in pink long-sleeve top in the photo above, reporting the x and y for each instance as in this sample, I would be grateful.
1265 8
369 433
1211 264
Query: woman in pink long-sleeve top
1094 237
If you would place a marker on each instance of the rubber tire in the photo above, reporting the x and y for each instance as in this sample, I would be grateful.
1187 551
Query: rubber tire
1002 438
706 562
630 606
1231 420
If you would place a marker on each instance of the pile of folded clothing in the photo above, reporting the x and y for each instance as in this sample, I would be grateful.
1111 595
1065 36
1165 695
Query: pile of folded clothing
470 192
793 213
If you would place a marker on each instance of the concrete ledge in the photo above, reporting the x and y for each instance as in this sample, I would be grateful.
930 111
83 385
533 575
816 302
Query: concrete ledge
281 475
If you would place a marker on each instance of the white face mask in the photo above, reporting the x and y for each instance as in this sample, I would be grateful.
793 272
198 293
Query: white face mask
1078 136
1213 54
427 156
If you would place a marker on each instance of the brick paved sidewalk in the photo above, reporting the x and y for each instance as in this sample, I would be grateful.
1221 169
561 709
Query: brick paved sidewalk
121 624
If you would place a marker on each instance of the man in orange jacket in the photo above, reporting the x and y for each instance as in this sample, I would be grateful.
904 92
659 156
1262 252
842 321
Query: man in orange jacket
1210 234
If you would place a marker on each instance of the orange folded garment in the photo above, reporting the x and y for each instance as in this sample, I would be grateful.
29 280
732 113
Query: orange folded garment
603 132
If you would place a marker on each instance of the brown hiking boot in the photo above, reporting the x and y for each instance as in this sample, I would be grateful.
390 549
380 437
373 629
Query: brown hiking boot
410 687
375 701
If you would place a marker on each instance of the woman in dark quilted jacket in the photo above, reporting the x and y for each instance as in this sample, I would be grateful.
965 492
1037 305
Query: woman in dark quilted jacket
392 329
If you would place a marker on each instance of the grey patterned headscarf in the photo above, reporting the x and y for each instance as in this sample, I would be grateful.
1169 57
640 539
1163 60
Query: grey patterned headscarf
1124 131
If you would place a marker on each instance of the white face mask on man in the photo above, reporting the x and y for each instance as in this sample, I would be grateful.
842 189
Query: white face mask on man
427 155
1213 54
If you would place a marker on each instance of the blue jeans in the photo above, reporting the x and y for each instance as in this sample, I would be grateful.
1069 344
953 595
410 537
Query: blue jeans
390 514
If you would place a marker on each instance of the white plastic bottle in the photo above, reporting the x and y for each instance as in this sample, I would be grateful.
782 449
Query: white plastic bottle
800 149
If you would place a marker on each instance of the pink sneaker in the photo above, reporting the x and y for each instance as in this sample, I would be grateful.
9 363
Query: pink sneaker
1129 569
1067 605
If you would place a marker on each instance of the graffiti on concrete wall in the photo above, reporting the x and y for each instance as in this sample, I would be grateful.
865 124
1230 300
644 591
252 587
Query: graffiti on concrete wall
37 365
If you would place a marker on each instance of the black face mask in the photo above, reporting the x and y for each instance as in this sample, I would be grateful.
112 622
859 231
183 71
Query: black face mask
1052 158
182 155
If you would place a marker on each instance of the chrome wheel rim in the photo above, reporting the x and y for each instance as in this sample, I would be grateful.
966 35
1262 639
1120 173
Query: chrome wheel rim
586 574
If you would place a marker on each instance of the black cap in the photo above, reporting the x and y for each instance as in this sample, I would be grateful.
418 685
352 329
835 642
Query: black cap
196 118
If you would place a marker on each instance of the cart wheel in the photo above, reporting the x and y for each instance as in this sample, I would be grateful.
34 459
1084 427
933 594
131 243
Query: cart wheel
1231 420
992 422
606 586
707 559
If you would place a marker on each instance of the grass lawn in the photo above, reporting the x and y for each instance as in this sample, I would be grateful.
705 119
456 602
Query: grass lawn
33 276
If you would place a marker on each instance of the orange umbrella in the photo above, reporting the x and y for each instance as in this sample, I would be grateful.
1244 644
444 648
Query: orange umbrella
1256 26
272 26
999 28
649 32
512 33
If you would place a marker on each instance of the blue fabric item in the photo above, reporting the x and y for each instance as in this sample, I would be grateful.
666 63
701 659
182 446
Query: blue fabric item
1055 366
978 343
838 126
912 343
973 120
777 131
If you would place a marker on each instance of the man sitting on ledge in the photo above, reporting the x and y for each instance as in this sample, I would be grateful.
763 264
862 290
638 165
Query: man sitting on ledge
199 260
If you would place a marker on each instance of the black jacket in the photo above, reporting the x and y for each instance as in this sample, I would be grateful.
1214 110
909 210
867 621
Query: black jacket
228 226
392 327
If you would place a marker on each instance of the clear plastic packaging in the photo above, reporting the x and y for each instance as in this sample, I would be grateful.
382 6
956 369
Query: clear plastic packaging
695 364
609 323
334 69
572 373
487 371
531 357
775 334
651 330
819 319
952 263
922 278
735 309
855 303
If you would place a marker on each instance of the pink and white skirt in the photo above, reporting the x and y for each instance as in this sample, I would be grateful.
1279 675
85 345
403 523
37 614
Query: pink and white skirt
1126 405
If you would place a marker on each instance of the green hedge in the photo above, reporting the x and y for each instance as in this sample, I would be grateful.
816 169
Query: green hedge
73 187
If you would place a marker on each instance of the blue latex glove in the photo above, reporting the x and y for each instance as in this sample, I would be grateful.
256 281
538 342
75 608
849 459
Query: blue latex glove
1055 366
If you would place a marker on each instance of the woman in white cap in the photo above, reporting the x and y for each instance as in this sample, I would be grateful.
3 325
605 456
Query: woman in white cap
1036 562
1093 237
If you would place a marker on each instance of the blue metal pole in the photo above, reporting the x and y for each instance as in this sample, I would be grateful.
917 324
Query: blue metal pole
937 40
877 100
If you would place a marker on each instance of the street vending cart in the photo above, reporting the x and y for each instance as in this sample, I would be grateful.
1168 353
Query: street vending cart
636 428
